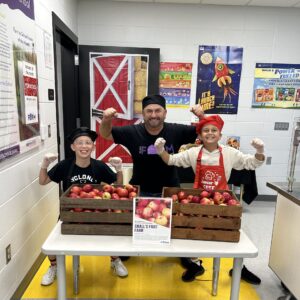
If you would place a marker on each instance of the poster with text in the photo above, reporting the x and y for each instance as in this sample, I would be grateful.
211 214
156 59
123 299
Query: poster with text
152 219
218 78
175 83
19 107
276 86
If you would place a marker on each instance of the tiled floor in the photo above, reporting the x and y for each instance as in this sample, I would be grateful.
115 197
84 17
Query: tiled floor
257 222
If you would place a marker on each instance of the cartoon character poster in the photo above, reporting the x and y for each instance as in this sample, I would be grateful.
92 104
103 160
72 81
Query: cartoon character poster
276 86
218 78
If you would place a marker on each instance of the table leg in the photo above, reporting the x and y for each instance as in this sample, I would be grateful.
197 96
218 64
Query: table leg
61 277
236 278
76 263
215 281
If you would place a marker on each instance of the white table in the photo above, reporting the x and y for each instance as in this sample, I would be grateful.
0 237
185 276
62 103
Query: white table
101 245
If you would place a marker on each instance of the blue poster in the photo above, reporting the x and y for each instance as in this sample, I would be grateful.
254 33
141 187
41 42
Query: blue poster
218 78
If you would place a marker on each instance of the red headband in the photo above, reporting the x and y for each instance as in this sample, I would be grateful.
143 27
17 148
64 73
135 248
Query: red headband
210 120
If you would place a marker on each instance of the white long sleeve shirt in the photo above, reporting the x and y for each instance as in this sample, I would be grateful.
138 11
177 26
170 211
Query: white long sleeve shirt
233 159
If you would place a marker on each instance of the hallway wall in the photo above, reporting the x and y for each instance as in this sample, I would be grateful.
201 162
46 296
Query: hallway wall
267 35
29 211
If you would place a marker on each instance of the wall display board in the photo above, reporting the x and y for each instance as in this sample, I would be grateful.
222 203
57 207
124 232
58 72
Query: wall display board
19 109
218 78
175 83
276 86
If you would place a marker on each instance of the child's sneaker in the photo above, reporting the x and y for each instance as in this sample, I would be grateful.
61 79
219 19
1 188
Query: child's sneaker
49 276
119 268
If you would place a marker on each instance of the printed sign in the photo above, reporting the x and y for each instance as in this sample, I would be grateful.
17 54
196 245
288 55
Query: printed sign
152 220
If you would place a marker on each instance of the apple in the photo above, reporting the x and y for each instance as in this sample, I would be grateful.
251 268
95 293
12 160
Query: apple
78 209
205 201
129 187
87 188
151 219
233 202
196 199
161 206
147 212
174 198
139 211
87 210
185 201
161 220
166 212
75 189
115 196
107 188
118 211
205 194
132 195
156 214
122 192
106 195
92 194
142 203
96 191
84 194
218 198
154 205
190 197
73 195
226 196
181 195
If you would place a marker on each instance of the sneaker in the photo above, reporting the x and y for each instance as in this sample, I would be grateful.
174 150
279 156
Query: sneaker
248 276
185 262
49 276
119 268
192 271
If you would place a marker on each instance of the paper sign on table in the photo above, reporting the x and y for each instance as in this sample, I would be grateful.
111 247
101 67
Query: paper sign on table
152 220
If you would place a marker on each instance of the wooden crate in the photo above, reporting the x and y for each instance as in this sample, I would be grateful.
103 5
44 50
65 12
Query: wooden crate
100 220
204 222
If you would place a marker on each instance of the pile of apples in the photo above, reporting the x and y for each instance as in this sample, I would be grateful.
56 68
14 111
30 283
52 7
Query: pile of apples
108 191
206 198
155 211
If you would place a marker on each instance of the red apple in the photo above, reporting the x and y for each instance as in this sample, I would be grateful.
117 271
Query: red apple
226 196
92 194
73 195
75 189
87 210
78 209
156 214
122 192
129 187
96 191
196 199
205 201
218 198
151 219
142 203
204 194
107 188
115 196
84 194
190 197
161 206
139 211
185 201
181 195
87 188
132 195
233 202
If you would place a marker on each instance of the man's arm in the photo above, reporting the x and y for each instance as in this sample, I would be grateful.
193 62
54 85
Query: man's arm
116 162
43 175
160 149
106 124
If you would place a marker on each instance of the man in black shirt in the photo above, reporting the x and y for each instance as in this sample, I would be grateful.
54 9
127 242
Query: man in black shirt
149 171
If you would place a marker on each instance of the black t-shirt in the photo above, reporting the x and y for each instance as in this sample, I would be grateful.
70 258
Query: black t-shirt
69 173
149 170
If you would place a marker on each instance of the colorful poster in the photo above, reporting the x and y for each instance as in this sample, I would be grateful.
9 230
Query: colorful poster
233 141
175 83
19 109
218 79
152 219
276 86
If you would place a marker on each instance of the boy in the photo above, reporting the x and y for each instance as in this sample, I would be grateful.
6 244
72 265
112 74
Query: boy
212 164
81 169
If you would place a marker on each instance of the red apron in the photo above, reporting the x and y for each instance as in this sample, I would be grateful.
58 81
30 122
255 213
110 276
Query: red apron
210 178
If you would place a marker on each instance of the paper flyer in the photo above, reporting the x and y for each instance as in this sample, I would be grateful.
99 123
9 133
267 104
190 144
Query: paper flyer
152 220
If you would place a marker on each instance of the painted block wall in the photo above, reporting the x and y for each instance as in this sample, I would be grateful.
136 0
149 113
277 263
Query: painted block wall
29 211
178 30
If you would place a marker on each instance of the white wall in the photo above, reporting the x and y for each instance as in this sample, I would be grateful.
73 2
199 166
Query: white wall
29 211
266 34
